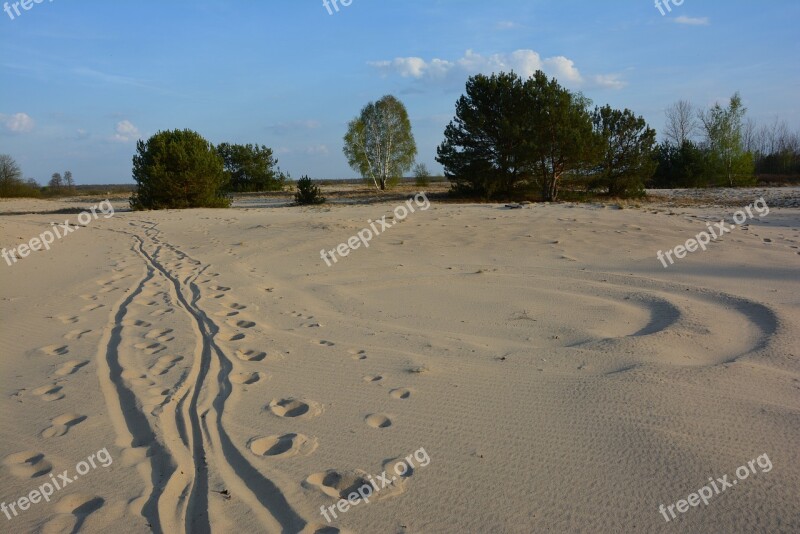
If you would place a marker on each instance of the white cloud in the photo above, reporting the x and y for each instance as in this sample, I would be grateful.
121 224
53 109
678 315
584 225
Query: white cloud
692 21
126 132
523 62
317 150
18 122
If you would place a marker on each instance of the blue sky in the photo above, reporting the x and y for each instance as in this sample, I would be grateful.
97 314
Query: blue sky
80 82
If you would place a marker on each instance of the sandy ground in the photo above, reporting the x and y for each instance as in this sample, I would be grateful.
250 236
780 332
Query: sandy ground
549 373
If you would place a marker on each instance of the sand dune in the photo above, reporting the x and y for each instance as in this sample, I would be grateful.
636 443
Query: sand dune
559 378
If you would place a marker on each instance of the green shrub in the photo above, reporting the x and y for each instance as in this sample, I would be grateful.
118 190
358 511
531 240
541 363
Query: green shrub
178 169
422 178
308 192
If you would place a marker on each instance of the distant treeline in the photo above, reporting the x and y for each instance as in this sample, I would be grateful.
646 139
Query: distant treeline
12 184
511 138
719 147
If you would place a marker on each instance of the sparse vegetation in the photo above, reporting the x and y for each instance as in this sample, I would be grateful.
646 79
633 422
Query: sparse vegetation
422 178
11 183
308 193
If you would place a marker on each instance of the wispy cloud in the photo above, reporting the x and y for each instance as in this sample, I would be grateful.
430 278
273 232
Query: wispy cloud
506 25
692 21
114 79
283 128
317 150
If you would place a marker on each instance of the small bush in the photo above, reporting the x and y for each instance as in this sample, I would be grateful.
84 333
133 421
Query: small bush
422 178
308 192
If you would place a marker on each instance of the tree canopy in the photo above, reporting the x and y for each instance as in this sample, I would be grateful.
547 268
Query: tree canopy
250 168
510 134
178 169
379 143
627 145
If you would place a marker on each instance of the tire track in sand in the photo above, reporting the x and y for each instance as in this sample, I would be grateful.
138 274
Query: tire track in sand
195 453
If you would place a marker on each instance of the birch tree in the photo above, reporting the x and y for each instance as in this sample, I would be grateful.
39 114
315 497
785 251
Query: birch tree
379 143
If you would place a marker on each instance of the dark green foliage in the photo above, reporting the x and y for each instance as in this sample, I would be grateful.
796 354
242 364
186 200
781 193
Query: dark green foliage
785 162
308 192
11 182
680 167
626 159
487 149
178 169
250 168
509 135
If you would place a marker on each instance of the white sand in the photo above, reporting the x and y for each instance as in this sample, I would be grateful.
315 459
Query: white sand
559 378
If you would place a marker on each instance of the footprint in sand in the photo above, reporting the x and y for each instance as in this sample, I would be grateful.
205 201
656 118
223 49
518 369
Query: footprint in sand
27 464
76 334
220 288
92 307
292 408
49 393
62 424
137 323
71 367
68 319
134 379
72 512
373 379
89 297
165 365
150 348
378 420
226 313
337 484
159 313
155 399
163 336
316 528
324 343
237 306
244 324
284 446
237 337
400 393
360 355
247 379
55 350
250 355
